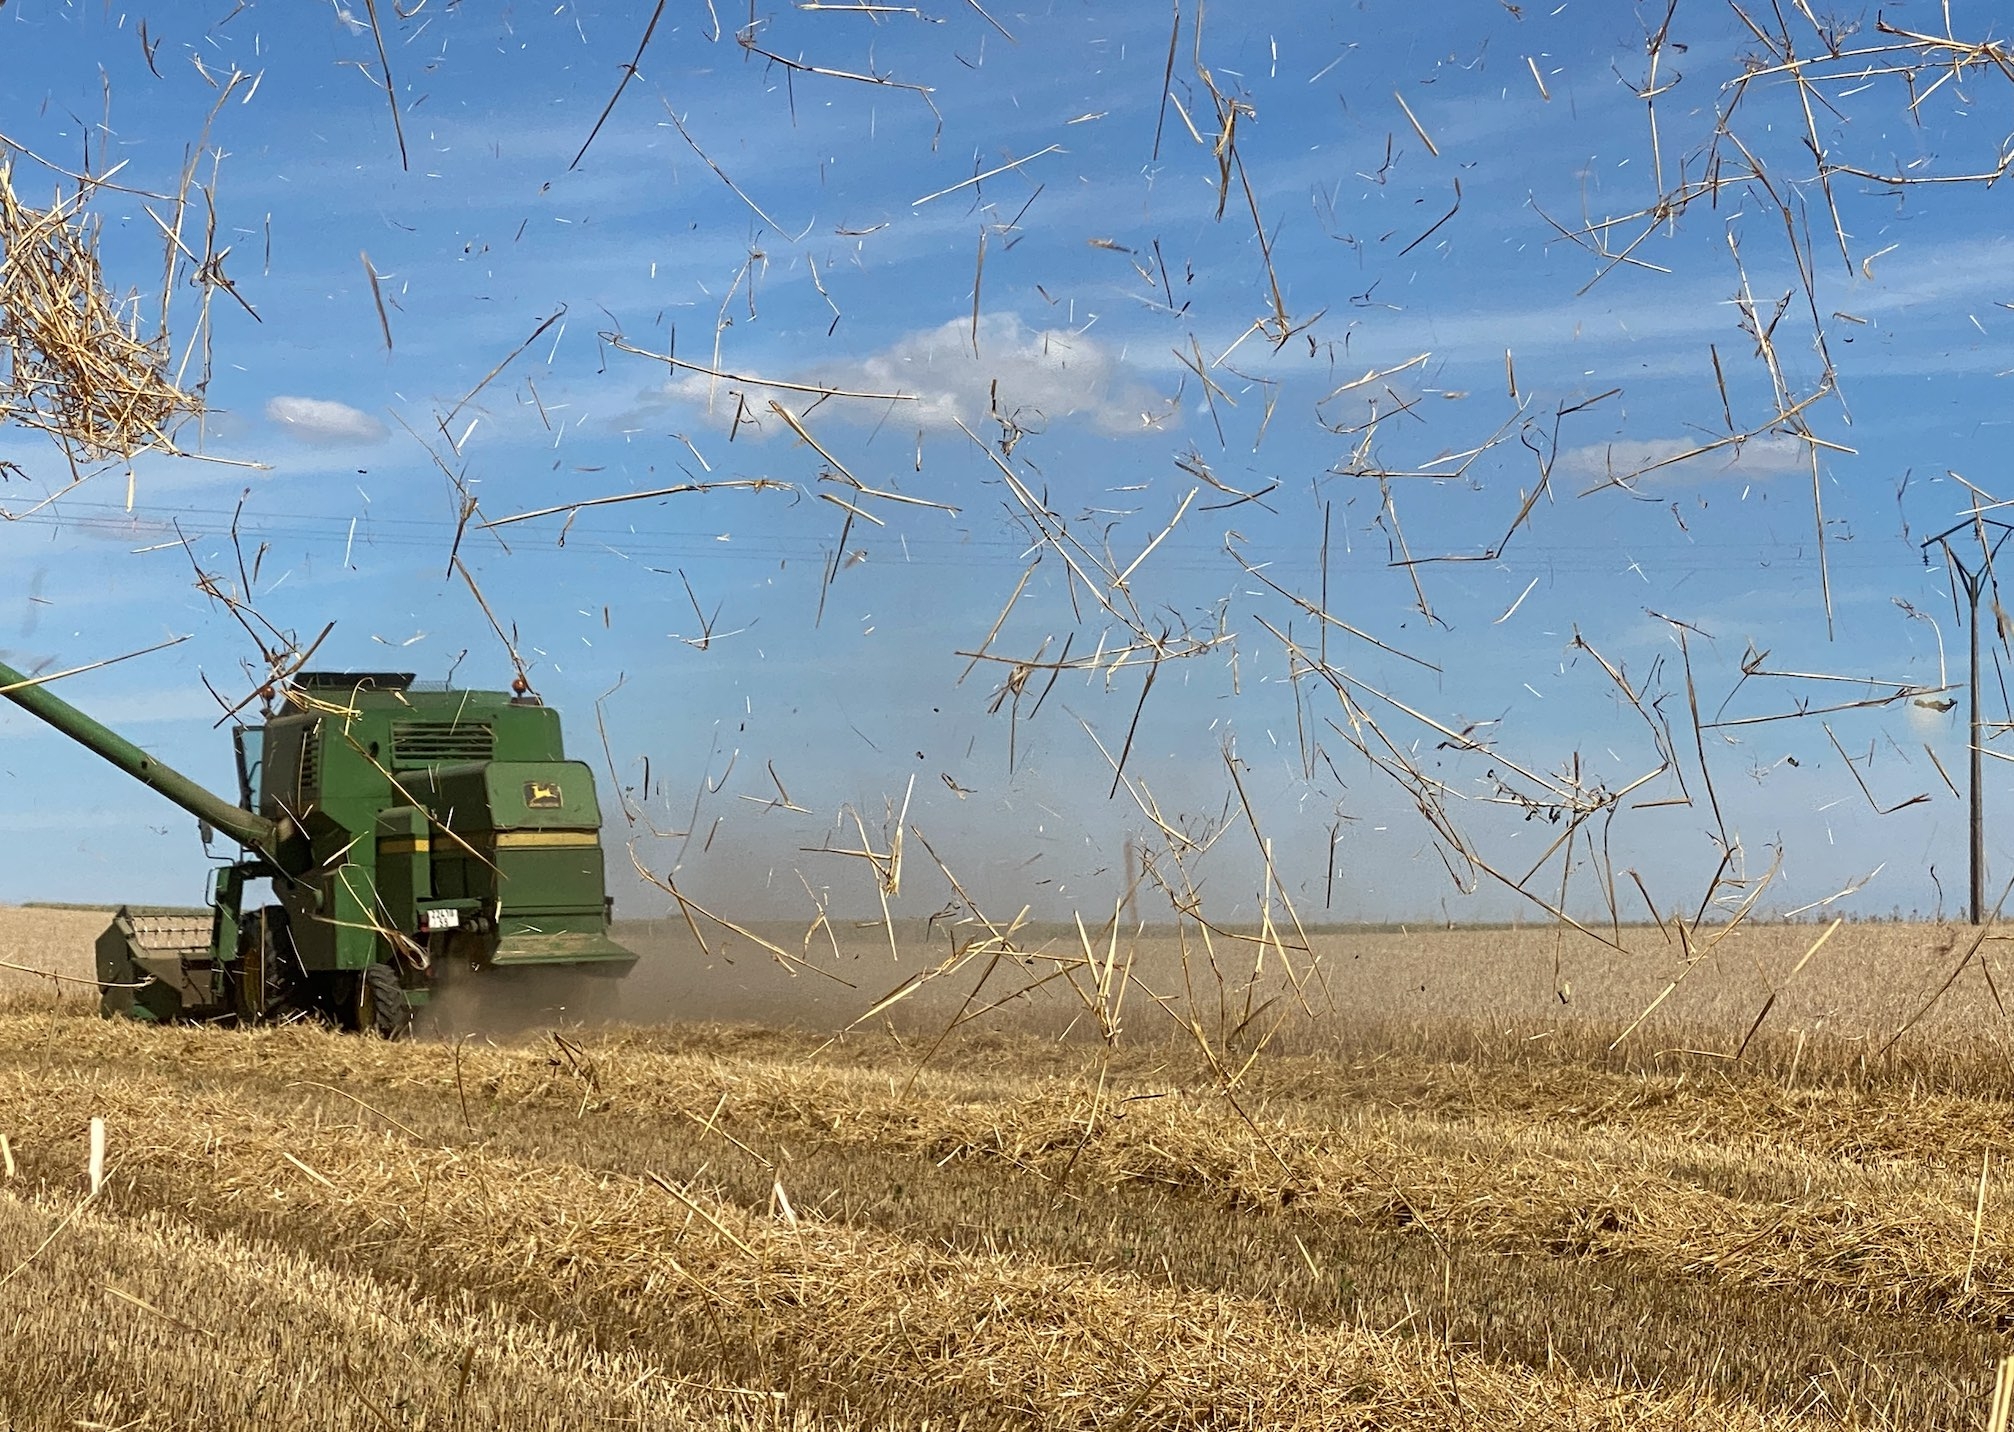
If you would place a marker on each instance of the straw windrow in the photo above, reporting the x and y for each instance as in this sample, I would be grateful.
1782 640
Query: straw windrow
839 1319
1348 1247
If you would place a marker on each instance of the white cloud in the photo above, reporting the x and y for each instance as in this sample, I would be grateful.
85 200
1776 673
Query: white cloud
318 422
1041 376
1654 458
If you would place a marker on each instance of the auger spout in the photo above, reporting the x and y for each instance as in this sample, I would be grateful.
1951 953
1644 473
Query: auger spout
246 827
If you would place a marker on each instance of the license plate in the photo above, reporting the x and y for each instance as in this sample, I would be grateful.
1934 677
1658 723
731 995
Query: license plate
443 919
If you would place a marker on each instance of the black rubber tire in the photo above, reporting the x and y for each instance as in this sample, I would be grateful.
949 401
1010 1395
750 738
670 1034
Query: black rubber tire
381 1004
268 983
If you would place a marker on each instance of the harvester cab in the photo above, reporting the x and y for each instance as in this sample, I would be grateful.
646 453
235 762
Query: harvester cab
407 833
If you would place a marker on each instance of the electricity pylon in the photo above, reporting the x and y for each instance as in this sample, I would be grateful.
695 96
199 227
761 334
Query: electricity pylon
1975 579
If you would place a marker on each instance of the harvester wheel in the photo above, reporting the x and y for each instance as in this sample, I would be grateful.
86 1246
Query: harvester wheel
381 1004
264 986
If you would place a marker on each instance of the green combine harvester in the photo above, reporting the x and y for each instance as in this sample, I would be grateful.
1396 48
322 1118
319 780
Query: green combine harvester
408 834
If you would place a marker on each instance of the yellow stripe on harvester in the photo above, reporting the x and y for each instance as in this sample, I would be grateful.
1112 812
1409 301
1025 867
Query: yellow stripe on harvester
404 845
523 839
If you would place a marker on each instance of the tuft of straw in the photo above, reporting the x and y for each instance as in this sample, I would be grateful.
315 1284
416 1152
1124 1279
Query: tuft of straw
76 365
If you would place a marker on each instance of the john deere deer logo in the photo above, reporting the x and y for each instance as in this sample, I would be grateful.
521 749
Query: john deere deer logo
542 795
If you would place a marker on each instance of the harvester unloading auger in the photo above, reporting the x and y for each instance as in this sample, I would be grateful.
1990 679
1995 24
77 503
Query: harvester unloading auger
405 831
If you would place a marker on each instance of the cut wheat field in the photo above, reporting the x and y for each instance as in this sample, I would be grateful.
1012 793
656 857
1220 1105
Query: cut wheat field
1438 1197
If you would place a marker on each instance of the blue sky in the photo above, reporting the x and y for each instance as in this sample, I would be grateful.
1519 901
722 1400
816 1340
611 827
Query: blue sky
1105 279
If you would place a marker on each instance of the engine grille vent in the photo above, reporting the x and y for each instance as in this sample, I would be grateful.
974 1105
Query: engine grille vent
311 763
433 743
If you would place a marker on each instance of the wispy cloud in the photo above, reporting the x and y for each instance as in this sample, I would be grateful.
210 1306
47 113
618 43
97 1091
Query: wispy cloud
1034 377
320 422
1679 457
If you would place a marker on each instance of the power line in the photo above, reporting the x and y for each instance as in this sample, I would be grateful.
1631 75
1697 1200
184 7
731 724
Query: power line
169 524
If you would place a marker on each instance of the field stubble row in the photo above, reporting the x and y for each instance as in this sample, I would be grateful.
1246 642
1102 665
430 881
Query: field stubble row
1433 1211
1865 982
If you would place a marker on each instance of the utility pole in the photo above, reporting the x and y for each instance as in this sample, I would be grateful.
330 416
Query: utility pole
1975 580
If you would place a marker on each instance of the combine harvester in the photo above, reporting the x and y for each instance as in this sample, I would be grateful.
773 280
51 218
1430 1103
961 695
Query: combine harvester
408 833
